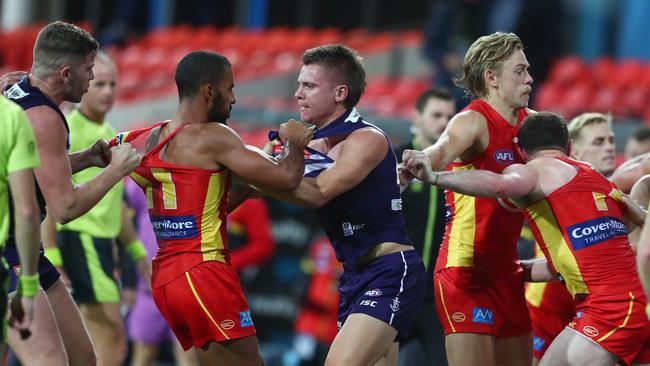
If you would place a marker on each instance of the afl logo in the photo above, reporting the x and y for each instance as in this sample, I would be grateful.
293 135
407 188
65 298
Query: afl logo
227 324
504 156
458 317
590 331
375 292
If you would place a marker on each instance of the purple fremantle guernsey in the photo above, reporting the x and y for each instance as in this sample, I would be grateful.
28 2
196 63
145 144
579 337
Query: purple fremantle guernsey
370 213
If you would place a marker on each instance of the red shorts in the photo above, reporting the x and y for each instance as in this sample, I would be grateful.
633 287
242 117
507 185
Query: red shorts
617 322
472 301
551 308
205 304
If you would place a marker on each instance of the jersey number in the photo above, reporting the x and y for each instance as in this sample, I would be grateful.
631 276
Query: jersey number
599 200
168 187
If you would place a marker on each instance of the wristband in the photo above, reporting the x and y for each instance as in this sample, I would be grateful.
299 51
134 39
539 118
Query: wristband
27 285
54 255
136 250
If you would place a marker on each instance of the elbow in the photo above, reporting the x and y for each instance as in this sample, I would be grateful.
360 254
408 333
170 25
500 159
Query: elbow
64 214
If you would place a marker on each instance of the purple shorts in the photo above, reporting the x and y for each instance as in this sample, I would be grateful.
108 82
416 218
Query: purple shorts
145 323
390 288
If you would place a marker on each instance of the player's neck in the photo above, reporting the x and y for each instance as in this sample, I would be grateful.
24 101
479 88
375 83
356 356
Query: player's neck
49 87
550 153
188 112
504 109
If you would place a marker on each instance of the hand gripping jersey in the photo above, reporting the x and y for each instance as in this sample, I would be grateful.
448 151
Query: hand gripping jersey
187 207
366 215
480 232
581 231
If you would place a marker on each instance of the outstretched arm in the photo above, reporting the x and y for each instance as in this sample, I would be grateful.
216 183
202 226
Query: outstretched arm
362 151
516 181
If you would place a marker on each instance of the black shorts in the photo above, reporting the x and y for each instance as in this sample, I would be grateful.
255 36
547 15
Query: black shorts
88 262
47 273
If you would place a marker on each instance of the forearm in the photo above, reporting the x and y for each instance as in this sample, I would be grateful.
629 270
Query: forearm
27 240
293 163
480 183
306 195
82 197
79 161
643 266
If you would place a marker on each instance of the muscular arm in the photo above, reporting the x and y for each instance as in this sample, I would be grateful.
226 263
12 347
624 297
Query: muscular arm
251 164
631 171
26 219
516 181
462 133
362 151
640 194
643 256
65 201
537 270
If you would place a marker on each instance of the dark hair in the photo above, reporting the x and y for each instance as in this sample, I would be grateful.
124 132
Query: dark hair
345 63
61 44
542 131
642 134
437 93
199 68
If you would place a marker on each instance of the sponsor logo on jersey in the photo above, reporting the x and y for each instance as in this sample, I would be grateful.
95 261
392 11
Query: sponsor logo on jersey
538 344
458 317
590 331
174 227
374 292
370 303
504 156
482 315
592 232
227 324
245 319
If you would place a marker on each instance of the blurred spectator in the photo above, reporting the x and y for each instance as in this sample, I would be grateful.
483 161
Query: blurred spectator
316 325
638 143
274 290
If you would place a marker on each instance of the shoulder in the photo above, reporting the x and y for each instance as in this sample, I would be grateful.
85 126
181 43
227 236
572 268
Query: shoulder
211 137
368 135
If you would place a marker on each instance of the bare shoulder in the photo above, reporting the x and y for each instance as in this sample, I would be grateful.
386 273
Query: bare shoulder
44 117
367 139
212 135
468 120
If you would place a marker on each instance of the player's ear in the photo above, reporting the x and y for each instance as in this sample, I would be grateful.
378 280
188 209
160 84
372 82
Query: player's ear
65 73
340 93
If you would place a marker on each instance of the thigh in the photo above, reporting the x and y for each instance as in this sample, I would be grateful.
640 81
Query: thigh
242 352
470 349
73 331
45 337
363 340
572 348
514 351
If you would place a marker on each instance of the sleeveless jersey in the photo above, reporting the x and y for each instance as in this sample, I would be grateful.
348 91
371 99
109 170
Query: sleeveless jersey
27 96
187 208
480 233
368 214
581 230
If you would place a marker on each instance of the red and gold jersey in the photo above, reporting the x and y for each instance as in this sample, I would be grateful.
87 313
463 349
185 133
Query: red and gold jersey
480 232
581 230
187 207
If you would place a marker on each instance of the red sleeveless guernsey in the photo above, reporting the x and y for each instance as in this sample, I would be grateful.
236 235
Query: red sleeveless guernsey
581 230
480 233
187 206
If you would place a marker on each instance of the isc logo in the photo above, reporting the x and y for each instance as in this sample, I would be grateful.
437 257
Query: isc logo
504 156
370 303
